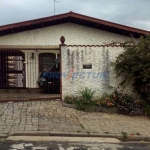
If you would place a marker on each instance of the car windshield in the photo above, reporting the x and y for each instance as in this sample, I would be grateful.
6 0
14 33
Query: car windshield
51 65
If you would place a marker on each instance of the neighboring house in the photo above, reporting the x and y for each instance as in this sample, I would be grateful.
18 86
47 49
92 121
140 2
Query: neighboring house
27 47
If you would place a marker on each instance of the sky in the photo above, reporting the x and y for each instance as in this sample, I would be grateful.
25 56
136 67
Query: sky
134 13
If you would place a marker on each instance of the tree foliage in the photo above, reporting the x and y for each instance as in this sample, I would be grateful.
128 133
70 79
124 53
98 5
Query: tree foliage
134 65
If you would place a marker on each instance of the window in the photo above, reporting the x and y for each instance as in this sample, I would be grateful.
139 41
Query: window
45 59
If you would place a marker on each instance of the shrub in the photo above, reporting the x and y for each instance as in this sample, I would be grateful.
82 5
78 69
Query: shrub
106 100
134 66
146 109
87 94
85 100
70 99
127 103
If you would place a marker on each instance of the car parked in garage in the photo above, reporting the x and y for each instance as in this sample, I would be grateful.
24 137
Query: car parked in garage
49 79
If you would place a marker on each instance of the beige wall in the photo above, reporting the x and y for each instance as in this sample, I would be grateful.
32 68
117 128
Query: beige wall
74 34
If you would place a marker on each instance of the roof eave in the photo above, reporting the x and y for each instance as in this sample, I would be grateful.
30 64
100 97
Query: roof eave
85 20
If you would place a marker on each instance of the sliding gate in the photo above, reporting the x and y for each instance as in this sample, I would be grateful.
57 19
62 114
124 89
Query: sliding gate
21 75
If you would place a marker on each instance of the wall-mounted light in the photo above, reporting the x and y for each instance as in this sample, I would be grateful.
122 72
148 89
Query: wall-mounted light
32 55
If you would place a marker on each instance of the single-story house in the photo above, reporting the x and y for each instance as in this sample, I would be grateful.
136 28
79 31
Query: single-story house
85 55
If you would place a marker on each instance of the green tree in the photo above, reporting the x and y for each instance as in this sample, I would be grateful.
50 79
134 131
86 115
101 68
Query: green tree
134 65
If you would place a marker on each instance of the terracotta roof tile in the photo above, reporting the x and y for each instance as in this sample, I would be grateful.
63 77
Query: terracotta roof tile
71 17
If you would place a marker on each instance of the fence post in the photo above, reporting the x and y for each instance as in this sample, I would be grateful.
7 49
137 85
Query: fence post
62 40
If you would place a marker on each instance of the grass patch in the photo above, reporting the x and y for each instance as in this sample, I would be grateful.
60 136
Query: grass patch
88 132
124 136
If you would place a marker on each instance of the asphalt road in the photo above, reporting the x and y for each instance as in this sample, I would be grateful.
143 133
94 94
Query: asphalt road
23 145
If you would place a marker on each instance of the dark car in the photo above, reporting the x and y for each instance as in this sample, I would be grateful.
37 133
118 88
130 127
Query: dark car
49 79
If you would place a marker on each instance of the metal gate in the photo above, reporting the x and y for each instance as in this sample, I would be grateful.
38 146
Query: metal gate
12 74
27 75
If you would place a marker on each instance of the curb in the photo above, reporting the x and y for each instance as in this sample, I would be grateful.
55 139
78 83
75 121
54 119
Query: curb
32 99
3 135
75 134
29 133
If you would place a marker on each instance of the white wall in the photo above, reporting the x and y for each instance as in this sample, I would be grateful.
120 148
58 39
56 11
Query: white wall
99 78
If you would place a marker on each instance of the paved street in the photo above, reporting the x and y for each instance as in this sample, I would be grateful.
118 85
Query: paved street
23 145
52 116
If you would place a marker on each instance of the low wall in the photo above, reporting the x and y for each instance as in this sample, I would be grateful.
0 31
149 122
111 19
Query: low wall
99 75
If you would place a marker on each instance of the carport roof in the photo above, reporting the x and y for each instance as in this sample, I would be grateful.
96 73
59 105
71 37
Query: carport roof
73 18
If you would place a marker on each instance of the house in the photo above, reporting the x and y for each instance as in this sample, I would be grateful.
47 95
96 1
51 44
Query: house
27 47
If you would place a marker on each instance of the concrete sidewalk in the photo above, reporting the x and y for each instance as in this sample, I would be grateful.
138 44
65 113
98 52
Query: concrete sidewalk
51 118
